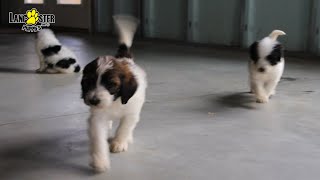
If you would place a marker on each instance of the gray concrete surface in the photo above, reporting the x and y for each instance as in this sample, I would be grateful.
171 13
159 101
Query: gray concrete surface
197 123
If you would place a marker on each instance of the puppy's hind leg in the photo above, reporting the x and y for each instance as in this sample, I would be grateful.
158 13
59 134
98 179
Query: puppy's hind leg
98 145
124 134
42 66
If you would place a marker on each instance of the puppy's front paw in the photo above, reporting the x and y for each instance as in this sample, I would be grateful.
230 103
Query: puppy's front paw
130 139
252 91
100 164
40 70
118 146
273 93
262 99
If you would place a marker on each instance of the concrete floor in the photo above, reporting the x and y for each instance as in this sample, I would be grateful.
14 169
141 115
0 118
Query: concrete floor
197 123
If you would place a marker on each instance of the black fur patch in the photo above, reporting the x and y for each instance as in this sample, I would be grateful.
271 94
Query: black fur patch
51 50
275 56
89 78
123 51
254 55
65 63
77 69
72 61
50 65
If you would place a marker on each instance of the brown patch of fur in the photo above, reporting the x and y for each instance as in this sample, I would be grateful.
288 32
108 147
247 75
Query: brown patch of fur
122 80
129 84
122 67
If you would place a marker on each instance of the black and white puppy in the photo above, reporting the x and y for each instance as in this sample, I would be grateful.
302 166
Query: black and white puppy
266 66
114 88
54 57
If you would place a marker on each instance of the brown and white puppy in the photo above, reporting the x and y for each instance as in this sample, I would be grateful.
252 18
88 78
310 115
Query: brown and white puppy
114 88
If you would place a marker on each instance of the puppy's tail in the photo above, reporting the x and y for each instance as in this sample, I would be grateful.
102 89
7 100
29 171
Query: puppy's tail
275 33
126 27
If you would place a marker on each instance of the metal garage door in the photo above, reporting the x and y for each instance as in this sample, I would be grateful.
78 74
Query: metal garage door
165 19
292 16
216 22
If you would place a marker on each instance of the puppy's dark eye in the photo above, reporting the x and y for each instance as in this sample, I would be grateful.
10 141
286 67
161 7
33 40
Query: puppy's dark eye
111 84
113 90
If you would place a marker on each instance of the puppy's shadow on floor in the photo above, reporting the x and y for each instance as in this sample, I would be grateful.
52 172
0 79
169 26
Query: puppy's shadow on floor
223 103
46 154
16 71
243 100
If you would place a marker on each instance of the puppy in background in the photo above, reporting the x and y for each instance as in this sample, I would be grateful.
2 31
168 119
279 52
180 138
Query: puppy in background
114 89
54 57
266 66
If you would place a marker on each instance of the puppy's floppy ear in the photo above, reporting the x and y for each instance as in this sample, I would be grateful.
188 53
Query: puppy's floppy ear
128 87
275 56
254 51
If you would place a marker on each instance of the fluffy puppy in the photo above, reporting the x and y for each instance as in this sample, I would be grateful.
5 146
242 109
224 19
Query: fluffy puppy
266 66
54 57
114 89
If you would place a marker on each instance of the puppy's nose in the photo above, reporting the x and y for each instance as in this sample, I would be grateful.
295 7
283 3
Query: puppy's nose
94 101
